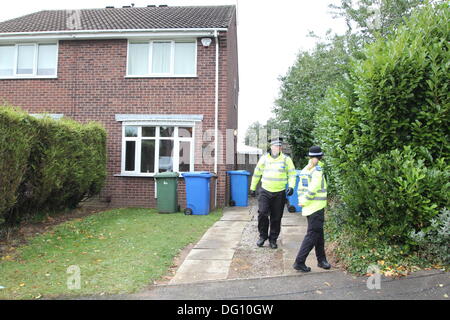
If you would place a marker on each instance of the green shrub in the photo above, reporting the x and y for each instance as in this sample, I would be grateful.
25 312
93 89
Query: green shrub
357 255
63 163
16 136
433 241
395 193
386 133
402 92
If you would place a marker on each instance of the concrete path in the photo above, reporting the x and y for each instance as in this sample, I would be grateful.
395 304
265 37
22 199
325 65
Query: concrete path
203 274
211 257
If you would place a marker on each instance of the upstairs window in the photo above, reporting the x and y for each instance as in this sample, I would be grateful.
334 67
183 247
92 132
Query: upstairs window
162 58
28 60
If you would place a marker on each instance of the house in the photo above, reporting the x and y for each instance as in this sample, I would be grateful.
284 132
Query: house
162 80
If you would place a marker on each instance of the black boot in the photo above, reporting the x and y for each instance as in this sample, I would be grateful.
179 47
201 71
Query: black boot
324 264
260 242
301 267
273 244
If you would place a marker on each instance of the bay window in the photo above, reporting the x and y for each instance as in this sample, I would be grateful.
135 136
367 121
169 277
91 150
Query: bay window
162 58
28 60
149 149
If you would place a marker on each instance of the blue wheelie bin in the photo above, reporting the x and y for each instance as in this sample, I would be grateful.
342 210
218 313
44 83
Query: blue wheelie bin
292 201
239 187
197 192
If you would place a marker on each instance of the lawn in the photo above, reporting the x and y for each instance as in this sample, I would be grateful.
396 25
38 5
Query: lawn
117 251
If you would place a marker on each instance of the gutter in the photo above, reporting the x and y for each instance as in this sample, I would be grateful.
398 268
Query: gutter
109 34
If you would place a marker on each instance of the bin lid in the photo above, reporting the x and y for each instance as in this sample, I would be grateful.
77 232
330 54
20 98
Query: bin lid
201 174
242 172
213 175
166 175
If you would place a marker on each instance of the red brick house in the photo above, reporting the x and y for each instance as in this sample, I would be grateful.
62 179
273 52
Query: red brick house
162 80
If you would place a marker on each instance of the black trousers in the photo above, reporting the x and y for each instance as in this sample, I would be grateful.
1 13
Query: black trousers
270 212
314 238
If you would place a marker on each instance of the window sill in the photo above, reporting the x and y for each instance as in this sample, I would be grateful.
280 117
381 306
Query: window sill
29 77
134 175
147 175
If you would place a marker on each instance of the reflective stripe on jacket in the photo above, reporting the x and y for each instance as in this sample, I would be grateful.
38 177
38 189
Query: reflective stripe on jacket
312 189
274 173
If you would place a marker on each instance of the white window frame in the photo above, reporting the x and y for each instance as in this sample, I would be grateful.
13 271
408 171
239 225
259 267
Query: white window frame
171 74
35 61
176 152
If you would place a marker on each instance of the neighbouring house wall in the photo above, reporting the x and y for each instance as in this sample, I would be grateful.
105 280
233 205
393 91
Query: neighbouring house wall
91 85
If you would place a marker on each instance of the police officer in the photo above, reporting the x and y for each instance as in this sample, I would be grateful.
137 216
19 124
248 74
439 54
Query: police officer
275 170
312 193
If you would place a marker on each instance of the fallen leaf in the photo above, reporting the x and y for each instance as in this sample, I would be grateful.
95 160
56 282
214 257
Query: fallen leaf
318 292
441 285
22 284
327 284
389 273
445 295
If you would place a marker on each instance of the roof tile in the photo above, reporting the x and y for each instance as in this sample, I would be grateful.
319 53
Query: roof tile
122 18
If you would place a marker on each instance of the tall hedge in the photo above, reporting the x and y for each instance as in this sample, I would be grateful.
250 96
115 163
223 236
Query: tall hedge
16 136
386 131
56 163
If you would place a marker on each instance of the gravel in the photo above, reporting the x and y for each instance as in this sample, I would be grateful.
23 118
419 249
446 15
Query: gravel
250 261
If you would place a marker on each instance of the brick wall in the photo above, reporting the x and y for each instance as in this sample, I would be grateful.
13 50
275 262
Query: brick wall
91 85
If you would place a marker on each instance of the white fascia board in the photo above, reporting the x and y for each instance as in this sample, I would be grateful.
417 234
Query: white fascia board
108 34
159 117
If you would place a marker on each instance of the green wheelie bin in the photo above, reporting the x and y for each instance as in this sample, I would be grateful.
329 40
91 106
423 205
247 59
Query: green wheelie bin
166 190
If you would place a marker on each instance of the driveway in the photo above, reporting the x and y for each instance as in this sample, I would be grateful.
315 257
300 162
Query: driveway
226 264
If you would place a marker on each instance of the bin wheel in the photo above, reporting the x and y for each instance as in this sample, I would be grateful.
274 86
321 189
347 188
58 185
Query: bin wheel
232 203
188 212
291 209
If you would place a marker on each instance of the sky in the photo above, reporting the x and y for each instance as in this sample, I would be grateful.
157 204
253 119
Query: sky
270 35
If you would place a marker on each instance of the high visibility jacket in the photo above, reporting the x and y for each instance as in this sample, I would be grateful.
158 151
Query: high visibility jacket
312 189
274 173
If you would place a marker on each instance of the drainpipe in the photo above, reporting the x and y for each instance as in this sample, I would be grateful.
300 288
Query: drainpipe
216 128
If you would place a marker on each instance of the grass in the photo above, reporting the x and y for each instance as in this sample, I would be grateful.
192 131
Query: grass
117 251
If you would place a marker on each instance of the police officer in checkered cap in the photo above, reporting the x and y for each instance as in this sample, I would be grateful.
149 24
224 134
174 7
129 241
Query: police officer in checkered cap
312 197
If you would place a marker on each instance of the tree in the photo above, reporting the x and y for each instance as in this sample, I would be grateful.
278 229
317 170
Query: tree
303 88
305 85
374 18
386 131
258 134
